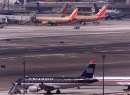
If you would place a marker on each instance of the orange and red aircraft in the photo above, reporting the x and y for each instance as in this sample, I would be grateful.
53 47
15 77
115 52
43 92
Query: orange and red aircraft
100 15
53 20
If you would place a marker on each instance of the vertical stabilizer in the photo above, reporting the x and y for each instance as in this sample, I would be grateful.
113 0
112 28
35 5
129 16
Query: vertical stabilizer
102 13
89 71
74 14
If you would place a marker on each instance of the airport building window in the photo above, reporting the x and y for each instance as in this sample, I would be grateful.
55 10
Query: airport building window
119 1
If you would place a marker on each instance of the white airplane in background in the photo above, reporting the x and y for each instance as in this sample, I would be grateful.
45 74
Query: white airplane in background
123 81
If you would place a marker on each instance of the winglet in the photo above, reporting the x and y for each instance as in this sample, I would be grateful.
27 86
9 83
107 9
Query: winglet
102 13
74 14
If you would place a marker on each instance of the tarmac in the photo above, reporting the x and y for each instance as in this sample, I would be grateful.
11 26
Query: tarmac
105 37
20 43
104 28
89 90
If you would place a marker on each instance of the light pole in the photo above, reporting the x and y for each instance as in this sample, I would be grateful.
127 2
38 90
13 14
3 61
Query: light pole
24 3
103 61
8 4
24 68
24 75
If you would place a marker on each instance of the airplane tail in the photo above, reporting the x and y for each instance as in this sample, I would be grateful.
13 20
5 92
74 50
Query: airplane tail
89 71
74 14
95 8
64 9
102 13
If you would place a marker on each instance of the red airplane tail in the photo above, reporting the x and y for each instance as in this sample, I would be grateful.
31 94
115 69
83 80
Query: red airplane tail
74 14
102 13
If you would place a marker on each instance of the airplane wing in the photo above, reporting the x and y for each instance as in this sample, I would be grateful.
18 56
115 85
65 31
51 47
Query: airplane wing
42 86
51 85
124 83
115 80
48 86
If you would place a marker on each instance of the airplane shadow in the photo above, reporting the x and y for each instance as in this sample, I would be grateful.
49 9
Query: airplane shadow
68 93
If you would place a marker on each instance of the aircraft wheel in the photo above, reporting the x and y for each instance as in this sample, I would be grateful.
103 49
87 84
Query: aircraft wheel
77 27
96 22
1 26
84 23
48 92
17 92
78 87
58 91
25 91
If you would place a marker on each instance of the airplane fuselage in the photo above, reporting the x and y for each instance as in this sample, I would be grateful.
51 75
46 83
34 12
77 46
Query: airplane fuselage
55 19
86 18
56 82
35 84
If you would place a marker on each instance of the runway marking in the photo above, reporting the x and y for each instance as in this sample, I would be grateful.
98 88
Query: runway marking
30 35
13 32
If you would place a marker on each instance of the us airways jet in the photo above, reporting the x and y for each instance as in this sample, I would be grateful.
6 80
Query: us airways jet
53 20
35 84
100 15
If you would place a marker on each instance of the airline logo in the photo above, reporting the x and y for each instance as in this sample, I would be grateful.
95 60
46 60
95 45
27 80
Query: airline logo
90 70
102 12
91 66
74 14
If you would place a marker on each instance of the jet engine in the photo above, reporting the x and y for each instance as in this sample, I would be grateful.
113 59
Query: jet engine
34 88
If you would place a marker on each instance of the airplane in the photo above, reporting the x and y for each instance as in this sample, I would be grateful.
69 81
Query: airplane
63 10
110 13
119 80
114 14
57 20
82 19
35 84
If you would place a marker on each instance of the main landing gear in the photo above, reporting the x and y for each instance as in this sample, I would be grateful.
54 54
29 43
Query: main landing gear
127 91
48 92
58 91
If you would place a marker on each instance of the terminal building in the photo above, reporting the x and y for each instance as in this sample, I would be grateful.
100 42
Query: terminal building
85 6
110 1
127 2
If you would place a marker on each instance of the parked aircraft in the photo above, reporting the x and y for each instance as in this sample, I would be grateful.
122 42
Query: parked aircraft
114 14
100 15
57 20
15 19
63 10
35 84
123 81
111 13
